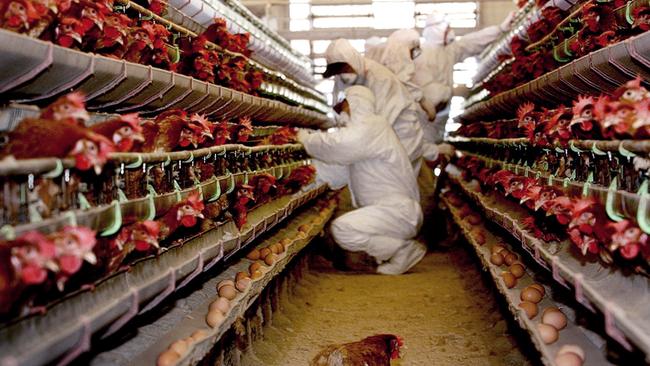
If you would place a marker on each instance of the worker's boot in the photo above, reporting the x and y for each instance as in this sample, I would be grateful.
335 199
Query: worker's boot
404 259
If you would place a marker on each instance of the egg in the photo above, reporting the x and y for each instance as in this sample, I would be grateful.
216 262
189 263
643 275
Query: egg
497 248
529 308
530 294
556 319
539 288
273 248
270 259
568 359
479 238
256 274
228 291
222 304
286 242
168 358
225 283
510 258
179 347
254 267
301 235
304 228
509 280
496 259
517 270
199 335
241 275
243 284
572 348
316 221
548 333
253 254
264 252
474 219
215 318
281 248
548 309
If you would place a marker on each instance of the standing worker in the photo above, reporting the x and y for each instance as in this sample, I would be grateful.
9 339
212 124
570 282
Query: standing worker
393 100
367 156
435 66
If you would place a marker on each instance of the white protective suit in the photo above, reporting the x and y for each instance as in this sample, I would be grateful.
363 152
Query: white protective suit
397 57
435 66
393 100
368 157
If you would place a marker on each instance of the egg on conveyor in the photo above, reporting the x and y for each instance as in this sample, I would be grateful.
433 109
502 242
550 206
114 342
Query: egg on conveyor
228 291
568 359
530 294
222 304
168 358
529 308
555 318
179 347
215 318
509 280
548 333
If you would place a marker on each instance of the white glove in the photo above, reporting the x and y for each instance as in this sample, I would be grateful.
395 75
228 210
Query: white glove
302 134
446 150
507 22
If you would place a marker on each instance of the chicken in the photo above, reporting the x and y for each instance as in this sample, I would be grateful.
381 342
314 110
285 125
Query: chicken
242 131
298 178
537 197
138 46
557 129
527 119
114 36
184 214
377 350
587 226
170 131
25 261
641 124
160 56
632 92
198 61
282 136
221 133
615 118
73 246
38 138
627 239
264 187
583 125
18 15
641 16
124 131
70 108
202 128
243 198
69 33
140 237
560 208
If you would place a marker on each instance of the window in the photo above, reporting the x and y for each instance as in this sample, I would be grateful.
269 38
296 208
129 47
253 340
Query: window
393 14
343 22
302 46
341 10
459 15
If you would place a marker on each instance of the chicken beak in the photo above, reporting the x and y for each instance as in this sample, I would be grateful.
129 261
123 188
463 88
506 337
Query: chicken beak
81 114
538 205
523 200
98 169
76 37
200 215
90 258
60 284
138 137
52 266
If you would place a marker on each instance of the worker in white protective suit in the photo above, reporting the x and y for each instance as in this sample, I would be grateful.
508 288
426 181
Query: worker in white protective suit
392 98
367 156
401 50
435 66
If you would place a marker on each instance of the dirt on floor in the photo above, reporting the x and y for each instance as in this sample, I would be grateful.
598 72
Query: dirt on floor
442 309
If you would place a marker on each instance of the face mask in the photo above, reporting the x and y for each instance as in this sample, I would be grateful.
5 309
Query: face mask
348 78
417 51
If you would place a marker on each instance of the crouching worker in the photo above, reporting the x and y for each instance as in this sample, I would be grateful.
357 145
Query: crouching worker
367 156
